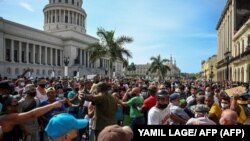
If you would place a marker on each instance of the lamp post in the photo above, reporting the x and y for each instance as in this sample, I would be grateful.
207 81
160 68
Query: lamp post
66 62
211 73
205 74
227 55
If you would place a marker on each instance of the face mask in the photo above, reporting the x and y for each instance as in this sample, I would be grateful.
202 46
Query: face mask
207 93
143 94
162 106
42 85
22 84
61 95
33 94
223 105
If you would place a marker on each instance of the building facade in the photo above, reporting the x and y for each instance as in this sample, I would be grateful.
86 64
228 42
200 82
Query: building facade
142 71
209 70
233 42
64 39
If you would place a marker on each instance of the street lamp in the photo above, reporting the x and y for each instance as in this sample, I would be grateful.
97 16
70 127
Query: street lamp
211 73
205 74
227 55
66 62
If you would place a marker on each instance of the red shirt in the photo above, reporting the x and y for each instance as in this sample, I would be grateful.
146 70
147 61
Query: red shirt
149 102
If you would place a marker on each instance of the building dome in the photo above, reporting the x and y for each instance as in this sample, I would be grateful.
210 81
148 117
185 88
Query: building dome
62 15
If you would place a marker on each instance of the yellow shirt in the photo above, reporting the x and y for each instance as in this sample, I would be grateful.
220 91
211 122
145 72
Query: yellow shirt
242 117
215 109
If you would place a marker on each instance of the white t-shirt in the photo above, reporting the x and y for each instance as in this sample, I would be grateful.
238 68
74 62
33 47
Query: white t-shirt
157 116
190 98
40 96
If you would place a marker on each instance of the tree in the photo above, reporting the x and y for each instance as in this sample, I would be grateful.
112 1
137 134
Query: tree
159 67
110 47
131 67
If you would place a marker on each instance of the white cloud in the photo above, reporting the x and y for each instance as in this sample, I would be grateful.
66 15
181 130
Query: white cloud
27 6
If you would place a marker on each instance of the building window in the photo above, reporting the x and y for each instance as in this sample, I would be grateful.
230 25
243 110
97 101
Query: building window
243 46
101 63
83 57
66 19
49 72
53 1
66 1
8 70
77 3
43 72
16 71
59 72
8 55
7 50
15 55
37 72
58 58
59 0
73 2
23 57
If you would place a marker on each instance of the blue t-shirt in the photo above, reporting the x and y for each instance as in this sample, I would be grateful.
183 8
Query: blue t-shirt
52 112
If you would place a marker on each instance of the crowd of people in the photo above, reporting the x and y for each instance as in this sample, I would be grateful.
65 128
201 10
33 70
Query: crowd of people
102 109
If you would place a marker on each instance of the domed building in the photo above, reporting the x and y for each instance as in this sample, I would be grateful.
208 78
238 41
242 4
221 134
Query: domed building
61 46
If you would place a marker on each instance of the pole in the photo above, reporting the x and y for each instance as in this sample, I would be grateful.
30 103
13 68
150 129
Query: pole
227 73
66 71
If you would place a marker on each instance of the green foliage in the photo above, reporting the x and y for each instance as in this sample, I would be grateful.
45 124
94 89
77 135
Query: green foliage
111 47
159 67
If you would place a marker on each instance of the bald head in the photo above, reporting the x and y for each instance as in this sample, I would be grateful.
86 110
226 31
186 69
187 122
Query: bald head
136 91
228 117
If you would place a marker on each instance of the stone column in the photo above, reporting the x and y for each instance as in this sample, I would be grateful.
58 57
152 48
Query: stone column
12 51
34 54
56 16
45 56
81 20
59 15
3 47
27 53
40 55
51 16
73 18
63 20
86 59
80 56
68 16
20 52
77 19
56 58
51 57
61 57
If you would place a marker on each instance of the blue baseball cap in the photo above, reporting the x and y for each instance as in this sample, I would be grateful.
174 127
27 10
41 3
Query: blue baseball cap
62 123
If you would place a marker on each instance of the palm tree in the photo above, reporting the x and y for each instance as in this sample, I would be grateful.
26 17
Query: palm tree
110 47
131 67
159 67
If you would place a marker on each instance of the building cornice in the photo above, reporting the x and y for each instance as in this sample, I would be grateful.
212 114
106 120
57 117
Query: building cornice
64 6
6 28
229 2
